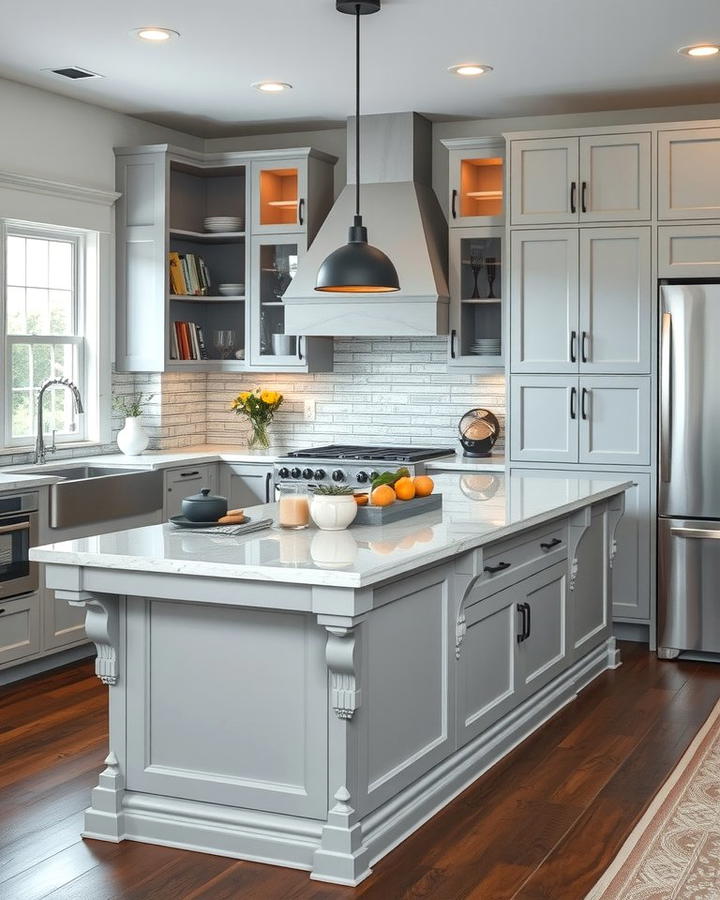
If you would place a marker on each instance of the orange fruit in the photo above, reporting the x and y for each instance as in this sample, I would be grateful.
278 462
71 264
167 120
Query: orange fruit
383 495
404 488
361 499
423 485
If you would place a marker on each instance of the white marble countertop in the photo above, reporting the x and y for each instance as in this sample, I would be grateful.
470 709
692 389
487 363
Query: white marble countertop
477 509
460 463
12 481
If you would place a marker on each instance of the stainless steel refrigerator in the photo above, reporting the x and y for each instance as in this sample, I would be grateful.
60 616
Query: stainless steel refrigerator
689 484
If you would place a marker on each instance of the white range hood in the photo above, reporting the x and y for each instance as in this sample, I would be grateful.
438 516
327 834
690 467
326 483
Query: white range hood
404 220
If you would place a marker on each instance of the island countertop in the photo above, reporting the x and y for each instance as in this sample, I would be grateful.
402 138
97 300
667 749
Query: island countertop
477 510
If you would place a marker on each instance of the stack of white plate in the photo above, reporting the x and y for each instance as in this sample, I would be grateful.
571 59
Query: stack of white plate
217 224
485 347
231 290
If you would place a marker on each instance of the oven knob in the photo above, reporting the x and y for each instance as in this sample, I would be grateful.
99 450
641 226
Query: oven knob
284 472
338 475
319 474
362 477
307 474
296 473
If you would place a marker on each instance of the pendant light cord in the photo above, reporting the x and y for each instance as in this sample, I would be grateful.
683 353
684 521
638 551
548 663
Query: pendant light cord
357 109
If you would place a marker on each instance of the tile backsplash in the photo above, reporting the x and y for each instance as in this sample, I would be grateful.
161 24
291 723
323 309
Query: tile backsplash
382 391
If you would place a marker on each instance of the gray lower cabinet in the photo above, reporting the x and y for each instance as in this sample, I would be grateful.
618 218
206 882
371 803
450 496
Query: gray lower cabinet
63 624
246 484
185 481
590 582
19 627
543 647
593 419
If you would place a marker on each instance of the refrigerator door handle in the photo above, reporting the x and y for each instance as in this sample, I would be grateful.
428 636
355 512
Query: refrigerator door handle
665 398
696 533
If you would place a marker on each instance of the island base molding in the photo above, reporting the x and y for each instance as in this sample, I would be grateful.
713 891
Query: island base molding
309 844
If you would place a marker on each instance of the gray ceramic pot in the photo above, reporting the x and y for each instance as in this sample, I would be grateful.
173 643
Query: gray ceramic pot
204 507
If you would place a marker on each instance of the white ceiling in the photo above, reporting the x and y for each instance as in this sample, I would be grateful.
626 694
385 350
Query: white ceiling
549 56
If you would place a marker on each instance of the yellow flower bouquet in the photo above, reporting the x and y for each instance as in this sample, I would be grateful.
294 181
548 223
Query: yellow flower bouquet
259 405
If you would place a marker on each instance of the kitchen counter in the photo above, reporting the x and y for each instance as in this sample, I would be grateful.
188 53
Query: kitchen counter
311 698
358 557
460 463
11 481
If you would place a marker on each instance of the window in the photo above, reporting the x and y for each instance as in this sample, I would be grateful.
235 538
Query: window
50 320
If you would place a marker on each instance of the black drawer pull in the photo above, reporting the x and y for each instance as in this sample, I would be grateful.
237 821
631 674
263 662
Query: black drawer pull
522 608
548 545
498 568
188 474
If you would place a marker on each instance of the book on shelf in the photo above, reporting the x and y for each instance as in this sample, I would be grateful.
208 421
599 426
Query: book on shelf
187 341
189 274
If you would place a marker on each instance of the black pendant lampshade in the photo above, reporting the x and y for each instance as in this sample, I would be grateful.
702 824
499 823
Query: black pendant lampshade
357 267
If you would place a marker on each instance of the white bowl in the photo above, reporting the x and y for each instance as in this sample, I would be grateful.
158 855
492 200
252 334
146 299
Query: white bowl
231 290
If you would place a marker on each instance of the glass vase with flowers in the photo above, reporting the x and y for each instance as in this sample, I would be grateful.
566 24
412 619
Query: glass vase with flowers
259 406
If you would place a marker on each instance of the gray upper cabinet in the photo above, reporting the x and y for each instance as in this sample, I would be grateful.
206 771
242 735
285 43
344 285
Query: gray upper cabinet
545 419
615 423
614 178
595 178
544 304
544 181
141 251
477 182
615 300
187 323
689 174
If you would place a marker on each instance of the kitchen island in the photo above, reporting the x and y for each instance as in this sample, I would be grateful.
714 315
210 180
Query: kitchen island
310 698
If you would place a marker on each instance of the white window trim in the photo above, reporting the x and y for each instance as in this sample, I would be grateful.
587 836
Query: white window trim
93 312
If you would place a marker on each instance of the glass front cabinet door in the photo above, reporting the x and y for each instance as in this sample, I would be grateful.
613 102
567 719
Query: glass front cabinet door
279 196
477 184
476 307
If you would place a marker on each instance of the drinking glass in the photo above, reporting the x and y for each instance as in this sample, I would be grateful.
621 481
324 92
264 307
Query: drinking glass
225 342
293 506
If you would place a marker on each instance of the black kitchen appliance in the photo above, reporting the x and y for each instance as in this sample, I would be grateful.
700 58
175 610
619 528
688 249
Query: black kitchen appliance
479 430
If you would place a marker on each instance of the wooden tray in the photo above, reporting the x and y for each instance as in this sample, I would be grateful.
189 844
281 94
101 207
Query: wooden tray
400 509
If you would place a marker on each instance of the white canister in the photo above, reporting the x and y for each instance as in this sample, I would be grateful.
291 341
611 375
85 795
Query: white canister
333 512
132 439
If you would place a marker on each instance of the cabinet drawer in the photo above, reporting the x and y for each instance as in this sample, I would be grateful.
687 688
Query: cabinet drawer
519 557
185 481
689 251
19 627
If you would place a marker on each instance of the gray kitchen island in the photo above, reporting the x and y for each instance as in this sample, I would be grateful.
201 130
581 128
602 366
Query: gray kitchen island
310 698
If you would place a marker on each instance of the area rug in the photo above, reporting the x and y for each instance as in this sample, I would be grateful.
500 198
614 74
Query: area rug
674 850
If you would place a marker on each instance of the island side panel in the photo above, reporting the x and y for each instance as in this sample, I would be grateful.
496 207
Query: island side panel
227 705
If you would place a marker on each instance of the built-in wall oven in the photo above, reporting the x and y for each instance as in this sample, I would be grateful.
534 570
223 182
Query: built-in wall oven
18 533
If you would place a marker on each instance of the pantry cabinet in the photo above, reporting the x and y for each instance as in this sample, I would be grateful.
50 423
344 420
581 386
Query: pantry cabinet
594 178
591 419
581 300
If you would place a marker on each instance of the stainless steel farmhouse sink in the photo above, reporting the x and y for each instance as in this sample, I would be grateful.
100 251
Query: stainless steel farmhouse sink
89 494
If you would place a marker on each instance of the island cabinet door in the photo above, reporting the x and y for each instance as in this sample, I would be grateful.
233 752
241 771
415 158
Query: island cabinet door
227 705
487 678
406 721
543 646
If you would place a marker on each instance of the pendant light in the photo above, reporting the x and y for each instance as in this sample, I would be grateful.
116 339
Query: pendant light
358 267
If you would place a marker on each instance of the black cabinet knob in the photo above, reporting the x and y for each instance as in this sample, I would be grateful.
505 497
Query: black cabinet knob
284 472
296 473
307 473
319 474
338 475
362 477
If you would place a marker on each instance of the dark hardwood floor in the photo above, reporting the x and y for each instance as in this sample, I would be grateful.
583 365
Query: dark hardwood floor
544 823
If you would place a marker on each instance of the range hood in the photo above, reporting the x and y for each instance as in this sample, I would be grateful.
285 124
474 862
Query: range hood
404 220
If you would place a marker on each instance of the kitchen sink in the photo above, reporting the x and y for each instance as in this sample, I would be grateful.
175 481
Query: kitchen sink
89 494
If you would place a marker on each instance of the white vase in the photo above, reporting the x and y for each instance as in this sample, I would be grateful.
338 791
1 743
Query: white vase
333 512
133 438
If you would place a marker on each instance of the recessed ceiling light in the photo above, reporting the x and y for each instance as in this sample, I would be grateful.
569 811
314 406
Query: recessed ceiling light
271 87
700 50
156 35
470 69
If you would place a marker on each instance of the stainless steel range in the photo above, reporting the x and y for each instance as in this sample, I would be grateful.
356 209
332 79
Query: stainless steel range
354 466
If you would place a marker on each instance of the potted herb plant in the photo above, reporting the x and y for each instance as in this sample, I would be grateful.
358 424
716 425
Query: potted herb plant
333 507
132 439
259 405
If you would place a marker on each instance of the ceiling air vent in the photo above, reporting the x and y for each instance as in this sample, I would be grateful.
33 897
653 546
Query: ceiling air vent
74 73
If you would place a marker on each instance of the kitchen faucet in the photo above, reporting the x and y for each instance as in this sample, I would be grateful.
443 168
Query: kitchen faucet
40 450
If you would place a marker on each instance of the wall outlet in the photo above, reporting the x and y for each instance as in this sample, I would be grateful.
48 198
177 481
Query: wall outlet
309 410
